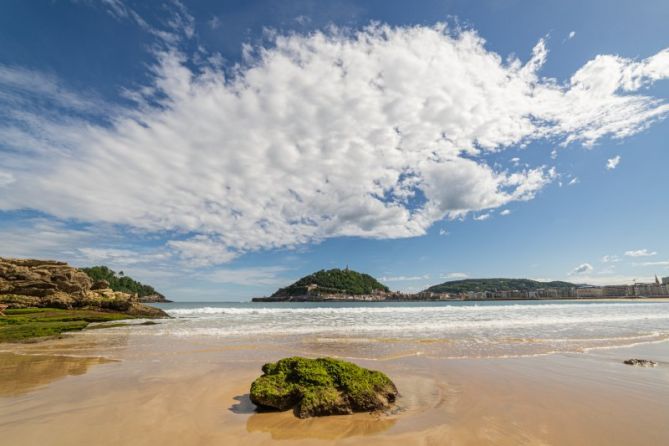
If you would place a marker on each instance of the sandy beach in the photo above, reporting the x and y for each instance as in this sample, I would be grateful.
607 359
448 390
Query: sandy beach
116 386
344 222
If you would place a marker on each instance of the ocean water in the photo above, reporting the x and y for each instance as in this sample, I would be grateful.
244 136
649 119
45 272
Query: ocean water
444 329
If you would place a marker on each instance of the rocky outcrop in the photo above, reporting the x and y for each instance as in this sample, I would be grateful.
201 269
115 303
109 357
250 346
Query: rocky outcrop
154 298
47 283
323 386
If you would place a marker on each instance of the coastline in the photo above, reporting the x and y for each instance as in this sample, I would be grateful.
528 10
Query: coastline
570 299
197 388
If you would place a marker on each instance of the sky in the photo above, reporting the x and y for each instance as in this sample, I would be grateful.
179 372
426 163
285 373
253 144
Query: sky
220 150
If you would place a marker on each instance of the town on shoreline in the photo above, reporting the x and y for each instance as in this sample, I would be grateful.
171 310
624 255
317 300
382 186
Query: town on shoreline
315 293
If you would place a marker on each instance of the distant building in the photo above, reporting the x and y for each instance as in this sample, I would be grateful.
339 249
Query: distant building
591 291
650 290
665 281
617 291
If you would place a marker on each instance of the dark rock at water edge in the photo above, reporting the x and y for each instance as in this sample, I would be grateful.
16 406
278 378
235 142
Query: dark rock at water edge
640 362
154 298
323 386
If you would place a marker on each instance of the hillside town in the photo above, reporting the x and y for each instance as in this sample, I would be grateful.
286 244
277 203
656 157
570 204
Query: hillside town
314 293
637 290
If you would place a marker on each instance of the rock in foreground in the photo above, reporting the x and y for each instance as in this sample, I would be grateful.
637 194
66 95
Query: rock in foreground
323 386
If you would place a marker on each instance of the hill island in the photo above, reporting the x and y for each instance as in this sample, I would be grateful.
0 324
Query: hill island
351 286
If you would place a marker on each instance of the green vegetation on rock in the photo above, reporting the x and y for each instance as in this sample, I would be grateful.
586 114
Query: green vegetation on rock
323 386
479 285
119 281
23 324
337 281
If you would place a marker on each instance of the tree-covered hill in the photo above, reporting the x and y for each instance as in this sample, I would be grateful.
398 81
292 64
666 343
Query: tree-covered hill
120 282
463 286
343 281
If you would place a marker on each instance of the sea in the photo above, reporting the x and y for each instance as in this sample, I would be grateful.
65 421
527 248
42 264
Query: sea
439 329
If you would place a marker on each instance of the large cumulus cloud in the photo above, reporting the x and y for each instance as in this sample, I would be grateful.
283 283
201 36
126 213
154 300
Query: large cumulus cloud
375 133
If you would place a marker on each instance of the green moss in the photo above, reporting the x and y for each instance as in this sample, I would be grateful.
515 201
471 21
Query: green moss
28 323
27 331
322 386
322 400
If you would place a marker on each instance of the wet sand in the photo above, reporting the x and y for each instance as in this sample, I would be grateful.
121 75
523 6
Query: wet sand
112 387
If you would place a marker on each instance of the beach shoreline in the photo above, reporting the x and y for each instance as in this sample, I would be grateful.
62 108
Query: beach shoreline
120 386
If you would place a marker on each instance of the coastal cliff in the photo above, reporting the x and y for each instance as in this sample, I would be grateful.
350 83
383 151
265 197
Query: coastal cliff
26 283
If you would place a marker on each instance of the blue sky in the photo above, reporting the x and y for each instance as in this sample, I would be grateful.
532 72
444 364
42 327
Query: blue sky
218 151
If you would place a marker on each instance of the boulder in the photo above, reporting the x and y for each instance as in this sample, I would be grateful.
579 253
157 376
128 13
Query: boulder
100 285
323 386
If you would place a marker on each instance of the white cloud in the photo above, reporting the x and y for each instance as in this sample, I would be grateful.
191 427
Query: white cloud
318 136
613 279
41 238
454 276
612 163
573 181
443 231
19 86
47 239
256 276
610 259
659 263
583 268
202 250
6 178
116 256
302 20
640 253
178 23
505 212
571 35
482 217
404 278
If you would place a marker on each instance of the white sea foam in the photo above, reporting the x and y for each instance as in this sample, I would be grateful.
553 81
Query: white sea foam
463 329
473 308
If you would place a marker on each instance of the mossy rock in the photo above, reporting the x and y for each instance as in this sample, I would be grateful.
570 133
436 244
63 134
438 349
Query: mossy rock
323 386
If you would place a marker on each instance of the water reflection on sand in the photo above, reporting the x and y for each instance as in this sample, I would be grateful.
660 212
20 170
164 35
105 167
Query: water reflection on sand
23 373
285 426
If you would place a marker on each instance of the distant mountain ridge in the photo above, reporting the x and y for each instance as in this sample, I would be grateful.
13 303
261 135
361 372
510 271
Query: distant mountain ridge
497 284
335 281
